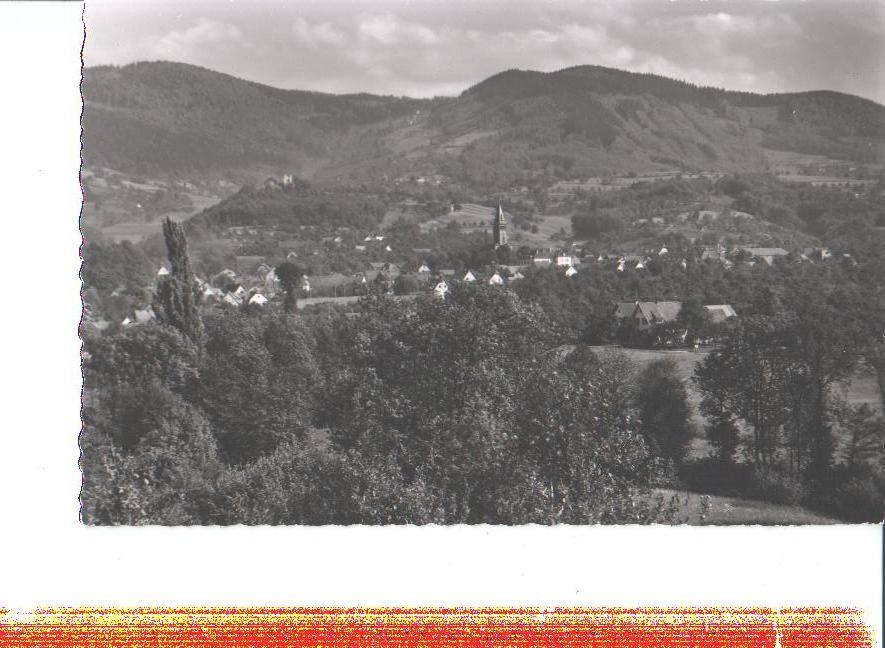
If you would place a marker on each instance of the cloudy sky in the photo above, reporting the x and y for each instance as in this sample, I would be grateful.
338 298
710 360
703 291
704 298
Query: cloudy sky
440 47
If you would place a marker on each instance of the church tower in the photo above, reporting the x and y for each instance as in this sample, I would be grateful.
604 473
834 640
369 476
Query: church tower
499 227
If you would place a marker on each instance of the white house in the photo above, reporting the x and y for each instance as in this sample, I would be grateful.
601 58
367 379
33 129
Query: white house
231 300
271 282
496 280
258 300
469 276
162 272
424 267
571 272
441 289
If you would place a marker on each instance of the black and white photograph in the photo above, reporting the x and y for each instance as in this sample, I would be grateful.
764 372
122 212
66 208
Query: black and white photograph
500 262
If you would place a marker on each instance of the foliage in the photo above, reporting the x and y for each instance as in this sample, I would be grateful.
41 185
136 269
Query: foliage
664 410
175 302
141 354
291 276
108 266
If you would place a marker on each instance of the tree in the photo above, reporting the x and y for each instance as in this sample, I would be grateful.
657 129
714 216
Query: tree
866 436
693 318
291 276
714 379
664 411
825 337
151 459
241 391
175 302
405 284
744 379
140 354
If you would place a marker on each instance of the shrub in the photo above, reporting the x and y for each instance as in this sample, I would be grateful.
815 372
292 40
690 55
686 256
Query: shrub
710 475
853 493
772 485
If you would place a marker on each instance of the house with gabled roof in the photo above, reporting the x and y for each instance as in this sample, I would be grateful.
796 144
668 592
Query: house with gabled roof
718 313
645 316
767 254
440 289
230 300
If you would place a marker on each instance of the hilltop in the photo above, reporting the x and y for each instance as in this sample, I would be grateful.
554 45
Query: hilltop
514 127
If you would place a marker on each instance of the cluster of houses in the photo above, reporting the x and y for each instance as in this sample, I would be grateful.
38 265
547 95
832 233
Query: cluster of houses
657 322
728 257
257 283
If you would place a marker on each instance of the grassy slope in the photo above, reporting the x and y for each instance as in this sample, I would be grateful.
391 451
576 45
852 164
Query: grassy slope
733 510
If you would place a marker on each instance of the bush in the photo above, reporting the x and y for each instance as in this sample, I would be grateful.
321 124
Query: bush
710 475
855 494
772 485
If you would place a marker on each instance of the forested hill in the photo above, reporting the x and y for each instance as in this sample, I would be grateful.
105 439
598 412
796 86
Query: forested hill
586 120
163 116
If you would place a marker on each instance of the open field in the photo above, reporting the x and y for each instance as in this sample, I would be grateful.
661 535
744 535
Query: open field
825 181
734 510
470 216
135 231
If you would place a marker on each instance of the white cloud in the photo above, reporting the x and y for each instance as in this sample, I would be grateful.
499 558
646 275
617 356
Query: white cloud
396 46
387 29
183 44
320 34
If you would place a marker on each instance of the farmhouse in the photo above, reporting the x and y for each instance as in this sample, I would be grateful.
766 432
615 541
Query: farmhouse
766 254
718 313
645 316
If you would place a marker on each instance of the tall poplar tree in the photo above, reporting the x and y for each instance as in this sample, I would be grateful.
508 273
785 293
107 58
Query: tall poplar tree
175 302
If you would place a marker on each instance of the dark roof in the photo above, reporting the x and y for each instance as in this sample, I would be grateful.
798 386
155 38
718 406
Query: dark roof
329 280
719 312
659 312
625 309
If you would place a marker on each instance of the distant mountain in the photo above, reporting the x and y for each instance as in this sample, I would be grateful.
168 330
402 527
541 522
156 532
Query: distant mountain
172 117
512 127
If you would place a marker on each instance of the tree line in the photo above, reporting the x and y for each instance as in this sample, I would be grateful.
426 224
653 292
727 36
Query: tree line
473 409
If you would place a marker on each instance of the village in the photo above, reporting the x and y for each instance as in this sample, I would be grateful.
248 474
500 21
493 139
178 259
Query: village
255 282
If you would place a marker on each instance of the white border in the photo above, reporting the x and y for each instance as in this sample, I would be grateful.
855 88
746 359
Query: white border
50 559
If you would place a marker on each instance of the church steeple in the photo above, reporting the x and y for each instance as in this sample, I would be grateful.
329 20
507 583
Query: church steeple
499 227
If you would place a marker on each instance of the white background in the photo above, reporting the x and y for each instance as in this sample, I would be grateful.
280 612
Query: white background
49 559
